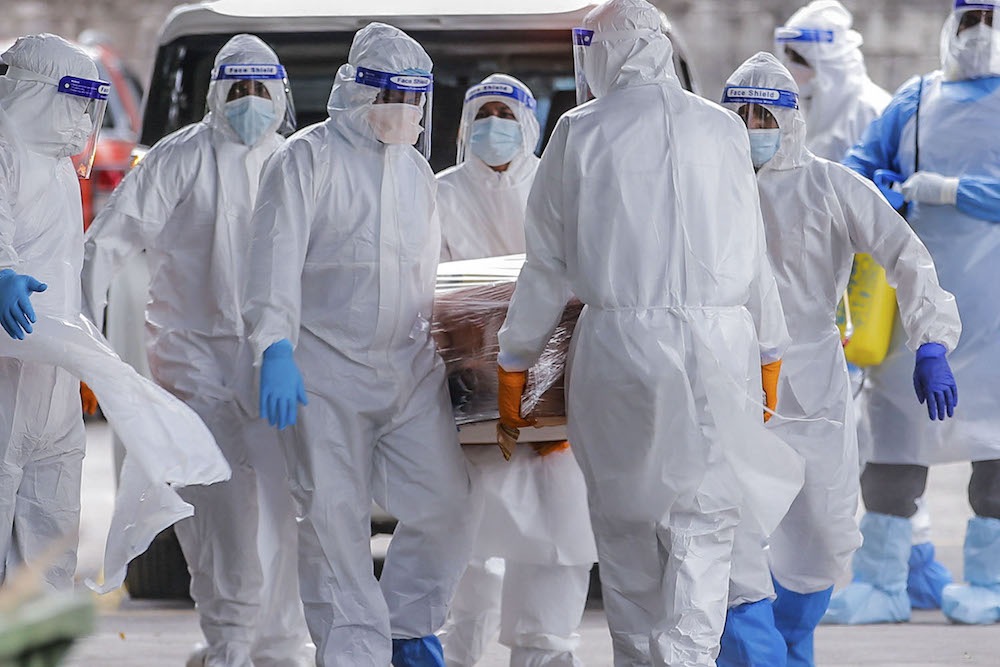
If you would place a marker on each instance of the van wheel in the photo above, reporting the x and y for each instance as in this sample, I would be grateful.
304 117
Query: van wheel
161 573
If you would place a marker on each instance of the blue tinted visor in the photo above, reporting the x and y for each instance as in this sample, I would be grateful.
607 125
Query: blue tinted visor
415 83
765 96
803 35
89 88
250 71
500 90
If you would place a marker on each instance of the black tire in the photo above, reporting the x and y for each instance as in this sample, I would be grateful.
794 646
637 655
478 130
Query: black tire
161 573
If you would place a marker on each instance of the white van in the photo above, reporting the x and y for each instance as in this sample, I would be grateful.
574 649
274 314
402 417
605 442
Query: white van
468 40
529 39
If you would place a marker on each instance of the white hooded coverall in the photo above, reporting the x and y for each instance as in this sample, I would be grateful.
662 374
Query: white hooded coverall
645 208
188 205
41 425
344 254
530 568
817 215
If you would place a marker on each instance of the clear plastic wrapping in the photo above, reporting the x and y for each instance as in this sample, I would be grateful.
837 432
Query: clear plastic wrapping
470 307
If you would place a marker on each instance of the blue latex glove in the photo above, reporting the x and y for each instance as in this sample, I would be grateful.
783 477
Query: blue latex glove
419 652
933 381
16 313
281 386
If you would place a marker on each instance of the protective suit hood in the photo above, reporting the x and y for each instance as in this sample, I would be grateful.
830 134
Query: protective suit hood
821 33
522 166
763 70
243 49
630 47
377 46
46 120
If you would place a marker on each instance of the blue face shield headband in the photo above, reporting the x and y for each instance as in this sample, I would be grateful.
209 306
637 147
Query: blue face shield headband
501 90
986 6
249 71
788 35
763 96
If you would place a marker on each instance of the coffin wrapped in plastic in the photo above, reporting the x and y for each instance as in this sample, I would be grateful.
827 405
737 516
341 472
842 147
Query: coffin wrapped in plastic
470 306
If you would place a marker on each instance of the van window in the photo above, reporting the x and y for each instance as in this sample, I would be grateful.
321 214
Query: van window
542 59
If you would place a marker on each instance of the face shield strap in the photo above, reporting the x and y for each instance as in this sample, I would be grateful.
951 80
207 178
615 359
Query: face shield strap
622 35
249 71
810 35
764 96
501 90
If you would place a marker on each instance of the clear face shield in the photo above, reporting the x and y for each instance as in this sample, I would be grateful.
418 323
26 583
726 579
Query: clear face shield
795 46
754 106
582 39
495 123
264 81
95 95
401 110
970 42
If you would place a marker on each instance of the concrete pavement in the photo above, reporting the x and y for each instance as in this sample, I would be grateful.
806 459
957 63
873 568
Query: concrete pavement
153 634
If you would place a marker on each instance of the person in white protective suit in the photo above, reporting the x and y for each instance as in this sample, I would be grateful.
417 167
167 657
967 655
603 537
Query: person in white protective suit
939 136
530 568
817 215
51 106
481 200
188 205
344 255
645 207
824 56
839 101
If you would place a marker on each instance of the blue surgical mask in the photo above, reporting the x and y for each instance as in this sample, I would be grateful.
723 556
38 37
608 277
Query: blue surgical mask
764 144
250 116
495 140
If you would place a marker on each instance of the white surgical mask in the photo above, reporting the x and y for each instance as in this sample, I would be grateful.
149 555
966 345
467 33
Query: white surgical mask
764 144
495 140
250 117
396 123
975 53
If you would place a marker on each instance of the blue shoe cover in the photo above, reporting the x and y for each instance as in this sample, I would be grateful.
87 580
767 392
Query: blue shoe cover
979 601
750 638
927 578
419 652
796 616
878 592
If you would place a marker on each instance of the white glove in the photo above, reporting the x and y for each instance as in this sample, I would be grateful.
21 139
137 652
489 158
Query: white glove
931 188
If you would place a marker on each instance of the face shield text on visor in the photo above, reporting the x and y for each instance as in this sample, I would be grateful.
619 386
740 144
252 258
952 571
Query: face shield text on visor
752 106
272 76
401 111
970 42
521 104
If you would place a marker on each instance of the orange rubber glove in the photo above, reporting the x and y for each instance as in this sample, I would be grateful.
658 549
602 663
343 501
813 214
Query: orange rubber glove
511 386
88 399
769 380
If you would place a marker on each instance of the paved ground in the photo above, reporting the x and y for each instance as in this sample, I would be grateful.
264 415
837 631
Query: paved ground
133 633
